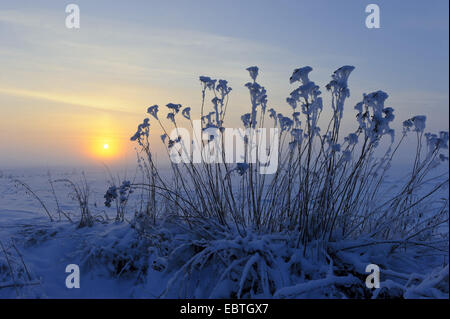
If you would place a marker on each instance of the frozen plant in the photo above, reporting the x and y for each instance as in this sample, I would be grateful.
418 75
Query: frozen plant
325 185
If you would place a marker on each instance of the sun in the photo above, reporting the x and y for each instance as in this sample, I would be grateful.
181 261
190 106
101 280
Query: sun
104 148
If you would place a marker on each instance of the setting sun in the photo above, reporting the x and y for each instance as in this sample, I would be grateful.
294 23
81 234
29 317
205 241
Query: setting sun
104 148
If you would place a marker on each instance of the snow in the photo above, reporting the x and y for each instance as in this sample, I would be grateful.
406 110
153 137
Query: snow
121 260
189 244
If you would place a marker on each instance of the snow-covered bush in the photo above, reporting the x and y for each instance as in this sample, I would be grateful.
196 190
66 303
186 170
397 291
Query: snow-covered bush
304 228
327 186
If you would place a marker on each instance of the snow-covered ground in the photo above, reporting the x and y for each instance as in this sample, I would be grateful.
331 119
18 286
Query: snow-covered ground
117 261
47 248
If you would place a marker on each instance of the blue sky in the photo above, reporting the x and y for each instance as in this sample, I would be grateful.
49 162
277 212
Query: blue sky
61 91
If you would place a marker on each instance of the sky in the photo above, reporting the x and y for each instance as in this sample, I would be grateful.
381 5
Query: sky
65 93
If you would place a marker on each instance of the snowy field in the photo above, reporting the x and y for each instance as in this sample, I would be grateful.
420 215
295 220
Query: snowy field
47 248
119 261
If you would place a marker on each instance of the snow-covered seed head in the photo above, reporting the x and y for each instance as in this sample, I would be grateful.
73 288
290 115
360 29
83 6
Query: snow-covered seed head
171 117
246 119
373 117
419 123
142 130
407 125
223 87
297 135
340 78
253 70
110 195
285 122
207 82
186 113
174 107
292 102
301 75
153 111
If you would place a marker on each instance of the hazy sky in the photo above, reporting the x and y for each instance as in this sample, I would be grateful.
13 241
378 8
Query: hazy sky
64 93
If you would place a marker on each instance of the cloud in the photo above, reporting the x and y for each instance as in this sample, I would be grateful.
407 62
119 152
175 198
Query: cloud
93 104
132 47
